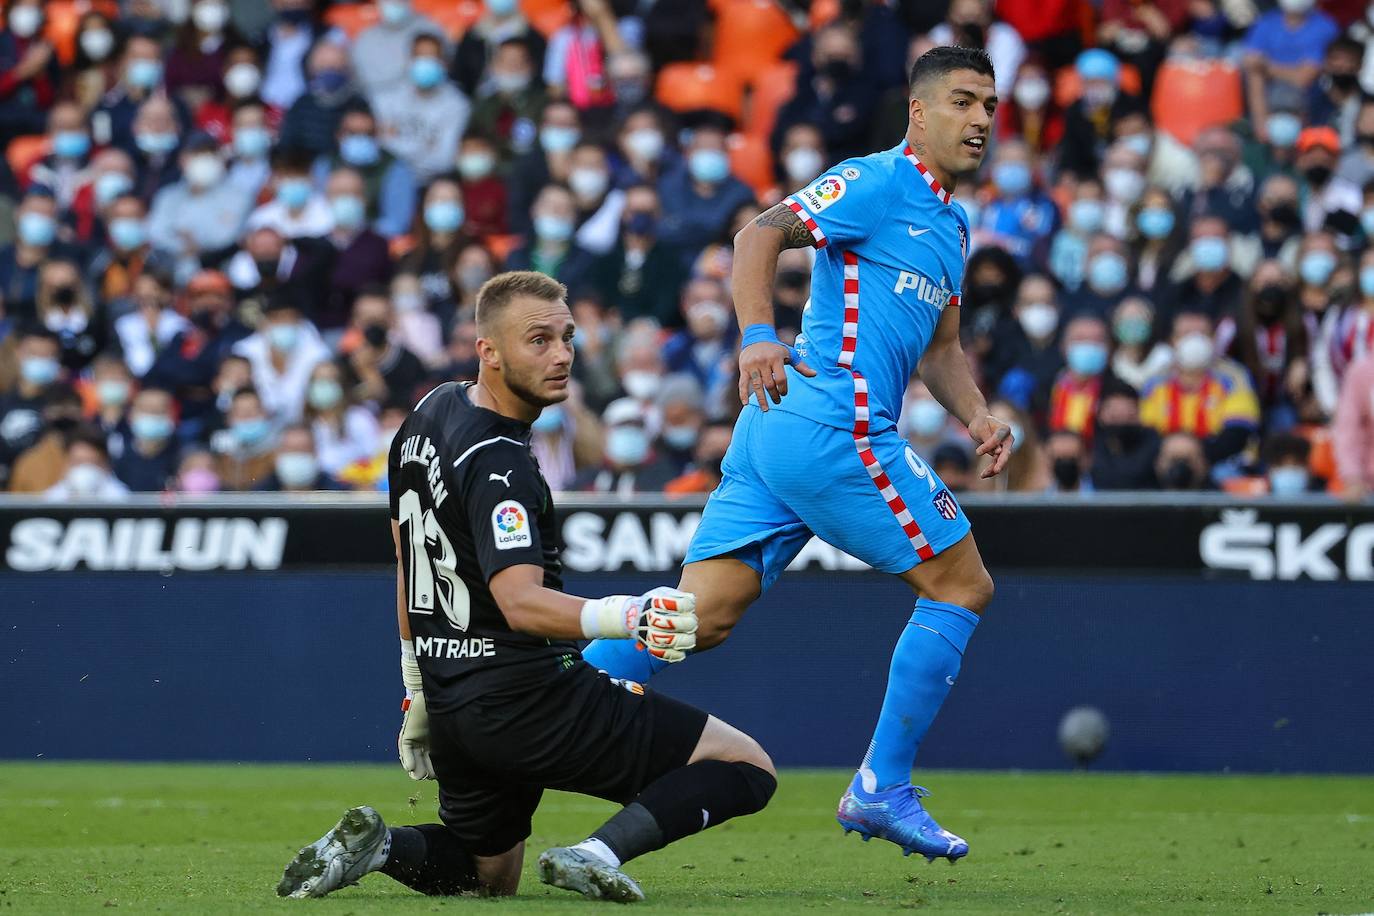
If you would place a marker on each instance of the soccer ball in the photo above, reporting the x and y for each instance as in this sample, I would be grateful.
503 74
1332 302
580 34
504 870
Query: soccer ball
1083 733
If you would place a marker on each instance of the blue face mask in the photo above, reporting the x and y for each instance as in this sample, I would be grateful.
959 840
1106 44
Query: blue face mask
552 228
144 73
37 229
1209 252
349 211
151 427
294 193
709 166
1367 280
928 418
359 149
1284 128
251 432
283 337
1012 178
324 393
627 445
154 144
1316 267
501 7
426 72
70 144
558 139
39 370
252 142
550 420
1289 481
1107 273
128 234
1155 222
444 216
1085 215
1086 357
328 82
111 185
1132 331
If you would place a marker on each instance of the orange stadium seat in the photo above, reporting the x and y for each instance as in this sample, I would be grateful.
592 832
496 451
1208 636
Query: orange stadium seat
694 86
548 16
751 161
1067 85
773 88
750 36
823 12
1245 486
23 152
1191 96
352 18
63 17
501 246
455 16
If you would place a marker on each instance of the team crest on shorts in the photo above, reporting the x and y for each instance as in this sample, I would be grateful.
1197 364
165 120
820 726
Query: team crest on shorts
945 505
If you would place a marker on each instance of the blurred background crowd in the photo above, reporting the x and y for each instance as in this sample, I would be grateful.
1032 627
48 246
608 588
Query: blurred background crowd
240 238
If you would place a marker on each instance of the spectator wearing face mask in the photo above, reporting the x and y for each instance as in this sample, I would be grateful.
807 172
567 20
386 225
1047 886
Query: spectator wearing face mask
313 119
440 237
235 86
1318 151
484 190
1124 449
1031 114
1283 53
478 53
1267 338
374 366
839 98
1181 463
1068 457
290 39
65 308
639 365
553 250
1280 222
117 266
1138 33
29 72
109 176
149 458
507 96
421 120
1138 355
575 63
388 183
1156 239
925 423
22 405
196 474
681 414
1225 186
245 449
187 366
380 52
296 467
35 241
643 152
708 454
547 160
598 205
200 214
150 324
418 330
107 394
1067 256
1027 345
640 274
87 477
701 348
1107 279
358 257
296 209
196 62
1078 389
704 193
1345 335
283 352
1357 161
1203 395
1353 431
95 64
801 158
269 266
630 465
1123 183
565 438
1087 122
63 171
158 140
140 78
1019 215
1286 472
1212 287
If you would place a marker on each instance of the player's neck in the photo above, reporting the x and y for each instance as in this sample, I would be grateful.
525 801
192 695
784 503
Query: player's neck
947 180
496 397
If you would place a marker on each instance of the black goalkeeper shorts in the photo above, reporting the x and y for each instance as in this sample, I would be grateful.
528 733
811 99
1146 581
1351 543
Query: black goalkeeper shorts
582 732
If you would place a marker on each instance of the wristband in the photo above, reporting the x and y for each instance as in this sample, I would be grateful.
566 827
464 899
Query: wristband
410 669
766 333
605 618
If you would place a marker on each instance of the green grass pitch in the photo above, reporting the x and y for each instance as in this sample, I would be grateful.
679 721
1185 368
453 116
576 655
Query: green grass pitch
213 839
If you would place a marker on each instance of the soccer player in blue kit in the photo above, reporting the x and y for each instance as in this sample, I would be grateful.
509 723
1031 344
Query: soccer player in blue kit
825 459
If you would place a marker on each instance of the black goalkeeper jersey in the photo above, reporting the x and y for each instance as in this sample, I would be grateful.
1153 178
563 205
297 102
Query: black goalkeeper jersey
470 501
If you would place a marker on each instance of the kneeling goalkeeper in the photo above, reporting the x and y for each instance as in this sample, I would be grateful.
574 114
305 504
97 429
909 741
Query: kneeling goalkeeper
500 705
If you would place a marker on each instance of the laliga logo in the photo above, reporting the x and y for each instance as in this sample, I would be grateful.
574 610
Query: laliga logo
1240 541
510 520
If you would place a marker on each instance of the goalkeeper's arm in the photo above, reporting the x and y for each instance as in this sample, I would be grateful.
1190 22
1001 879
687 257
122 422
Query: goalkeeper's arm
412 744
664 620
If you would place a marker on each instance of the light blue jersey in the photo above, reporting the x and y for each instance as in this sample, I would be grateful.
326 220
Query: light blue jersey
891 248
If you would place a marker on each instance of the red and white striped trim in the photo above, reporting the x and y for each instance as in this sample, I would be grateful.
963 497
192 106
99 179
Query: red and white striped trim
926 174
806 219
849 343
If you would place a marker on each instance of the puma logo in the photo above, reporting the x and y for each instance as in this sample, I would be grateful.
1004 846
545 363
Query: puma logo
504 478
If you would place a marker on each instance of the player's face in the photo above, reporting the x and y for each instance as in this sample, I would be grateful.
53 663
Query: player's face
956 119
536 352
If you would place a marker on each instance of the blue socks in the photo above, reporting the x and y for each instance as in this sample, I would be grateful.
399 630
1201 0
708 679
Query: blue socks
924 666
623 658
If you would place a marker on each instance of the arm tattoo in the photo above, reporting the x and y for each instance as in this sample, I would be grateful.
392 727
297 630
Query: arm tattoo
794 231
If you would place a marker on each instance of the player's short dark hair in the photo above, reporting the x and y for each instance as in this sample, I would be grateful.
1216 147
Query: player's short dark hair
936 62
498 292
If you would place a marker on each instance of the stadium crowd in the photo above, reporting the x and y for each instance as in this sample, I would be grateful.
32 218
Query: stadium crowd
239 238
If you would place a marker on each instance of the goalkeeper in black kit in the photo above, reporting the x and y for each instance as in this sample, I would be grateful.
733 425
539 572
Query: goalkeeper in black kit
500 705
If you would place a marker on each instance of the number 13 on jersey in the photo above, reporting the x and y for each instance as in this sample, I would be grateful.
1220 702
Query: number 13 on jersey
431 564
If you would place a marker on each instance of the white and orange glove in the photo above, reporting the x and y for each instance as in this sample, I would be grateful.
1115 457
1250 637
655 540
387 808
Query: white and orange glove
413 742
664 621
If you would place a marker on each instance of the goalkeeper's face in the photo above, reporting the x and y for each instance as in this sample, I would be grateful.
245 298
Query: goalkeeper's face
952 116
532 349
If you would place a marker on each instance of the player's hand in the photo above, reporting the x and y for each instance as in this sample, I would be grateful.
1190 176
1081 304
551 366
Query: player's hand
413 742
667 623
994 438
761 372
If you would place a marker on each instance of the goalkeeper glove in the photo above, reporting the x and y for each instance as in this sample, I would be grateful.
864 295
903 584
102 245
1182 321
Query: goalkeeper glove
413 741
663 621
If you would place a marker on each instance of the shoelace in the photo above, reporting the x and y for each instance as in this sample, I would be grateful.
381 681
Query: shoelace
920 791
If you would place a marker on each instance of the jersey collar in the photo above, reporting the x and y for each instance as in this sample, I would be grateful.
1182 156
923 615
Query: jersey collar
926 174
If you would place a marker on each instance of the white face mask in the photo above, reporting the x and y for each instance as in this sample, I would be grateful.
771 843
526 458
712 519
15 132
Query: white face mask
25 20
627 445
1194 351
1038 319
645 144
928 418
242 80
210 17
204 171
588 183
803 164
641 385
1124 185
1032 93
97 43
85 479
1295 6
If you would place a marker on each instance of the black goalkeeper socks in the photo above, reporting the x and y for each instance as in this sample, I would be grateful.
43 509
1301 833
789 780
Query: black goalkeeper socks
684 802
429 859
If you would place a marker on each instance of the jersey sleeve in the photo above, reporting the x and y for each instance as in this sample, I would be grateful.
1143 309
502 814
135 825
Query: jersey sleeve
501 493
844 205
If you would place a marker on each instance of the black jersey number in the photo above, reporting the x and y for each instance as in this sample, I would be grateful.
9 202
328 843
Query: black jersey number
433 571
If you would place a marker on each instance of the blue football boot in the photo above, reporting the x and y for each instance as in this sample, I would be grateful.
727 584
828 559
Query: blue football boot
897 815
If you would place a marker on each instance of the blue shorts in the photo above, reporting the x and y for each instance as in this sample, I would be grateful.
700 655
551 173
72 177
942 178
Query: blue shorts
786 478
